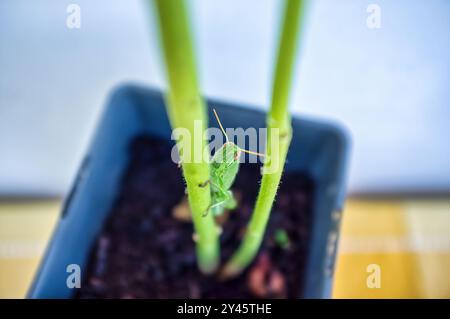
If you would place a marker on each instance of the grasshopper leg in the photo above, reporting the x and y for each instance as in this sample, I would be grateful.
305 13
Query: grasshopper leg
231 201
227 201
204 184
214 205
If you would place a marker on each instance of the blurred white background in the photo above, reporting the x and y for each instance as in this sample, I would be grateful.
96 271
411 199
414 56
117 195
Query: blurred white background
389 86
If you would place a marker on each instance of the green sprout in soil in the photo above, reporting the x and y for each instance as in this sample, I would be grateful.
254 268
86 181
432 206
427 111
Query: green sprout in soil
282 238
208 185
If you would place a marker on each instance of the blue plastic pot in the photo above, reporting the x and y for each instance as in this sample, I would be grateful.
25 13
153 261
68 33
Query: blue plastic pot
319 149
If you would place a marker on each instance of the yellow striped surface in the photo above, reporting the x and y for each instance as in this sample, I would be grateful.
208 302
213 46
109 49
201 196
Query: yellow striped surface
409 239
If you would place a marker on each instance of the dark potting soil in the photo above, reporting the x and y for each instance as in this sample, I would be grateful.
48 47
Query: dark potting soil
145 252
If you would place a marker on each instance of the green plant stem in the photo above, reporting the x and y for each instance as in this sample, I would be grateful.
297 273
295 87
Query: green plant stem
185 106
278 140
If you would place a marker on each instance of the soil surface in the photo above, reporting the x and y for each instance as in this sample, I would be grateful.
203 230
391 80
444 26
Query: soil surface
145 249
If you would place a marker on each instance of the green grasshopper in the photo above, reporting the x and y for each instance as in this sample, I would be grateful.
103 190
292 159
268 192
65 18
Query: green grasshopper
224 168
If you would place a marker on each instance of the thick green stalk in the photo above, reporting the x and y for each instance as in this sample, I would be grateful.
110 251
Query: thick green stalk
187 109
278 140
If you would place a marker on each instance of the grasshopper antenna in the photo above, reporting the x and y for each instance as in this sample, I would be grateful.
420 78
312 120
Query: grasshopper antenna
220 124
226 136
253 153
